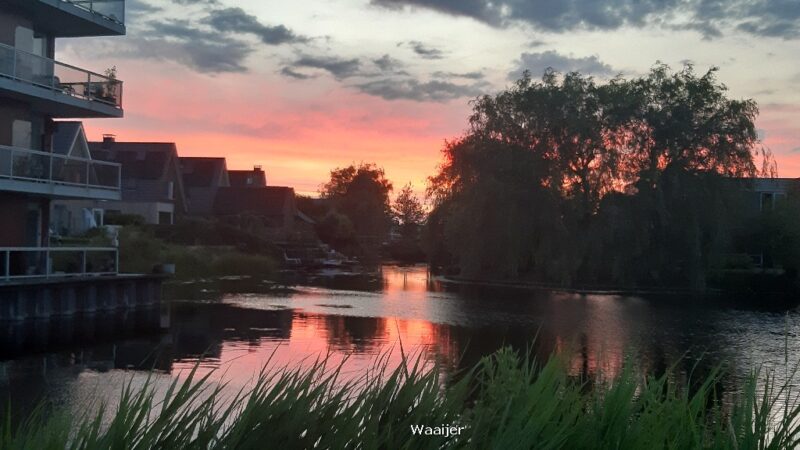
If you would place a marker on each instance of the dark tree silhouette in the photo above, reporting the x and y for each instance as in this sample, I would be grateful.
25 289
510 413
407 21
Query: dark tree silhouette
361 194
567 180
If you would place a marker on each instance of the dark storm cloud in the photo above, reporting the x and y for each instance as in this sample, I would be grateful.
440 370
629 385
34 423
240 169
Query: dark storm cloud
338 67
139 8
236 20
537 63
387 64
421 91
202 56
291 73
210 43
195 2
180 41
465 75
424 51
773 18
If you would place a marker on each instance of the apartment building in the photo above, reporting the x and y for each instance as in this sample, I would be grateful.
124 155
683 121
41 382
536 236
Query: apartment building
43 156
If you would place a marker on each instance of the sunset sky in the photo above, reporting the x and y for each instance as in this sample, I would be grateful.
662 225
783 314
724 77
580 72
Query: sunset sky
303 87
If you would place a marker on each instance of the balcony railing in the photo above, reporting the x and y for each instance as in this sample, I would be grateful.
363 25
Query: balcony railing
43 167
113 10
17 263
58 77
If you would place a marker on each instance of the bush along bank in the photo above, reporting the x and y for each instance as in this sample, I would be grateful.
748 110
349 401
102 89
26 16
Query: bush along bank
141 251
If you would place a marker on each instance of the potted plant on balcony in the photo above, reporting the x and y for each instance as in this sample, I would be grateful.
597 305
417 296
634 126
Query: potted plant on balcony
106 90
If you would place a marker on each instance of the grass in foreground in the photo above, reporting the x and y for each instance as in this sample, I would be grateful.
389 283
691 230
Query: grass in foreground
505 402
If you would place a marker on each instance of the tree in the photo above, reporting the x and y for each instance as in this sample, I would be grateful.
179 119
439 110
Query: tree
568 180
409 212
361 193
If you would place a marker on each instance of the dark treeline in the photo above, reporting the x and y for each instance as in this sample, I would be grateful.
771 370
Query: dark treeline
355 215
575 182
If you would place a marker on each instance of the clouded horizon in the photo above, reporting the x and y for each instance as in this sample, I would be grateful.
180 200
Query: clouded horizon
305 87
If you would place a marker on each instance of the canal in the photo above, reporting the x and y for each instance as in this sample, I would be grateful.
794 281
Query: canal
235 330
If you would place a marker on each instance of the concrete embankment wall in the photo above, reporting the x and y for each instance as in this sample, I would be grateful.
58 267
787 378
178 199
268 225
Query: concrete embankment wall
43 299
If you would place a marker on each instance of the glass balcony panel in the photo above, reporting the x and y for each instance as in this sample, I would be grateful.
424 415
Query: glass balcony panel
32 262
59 77
113 10
104 175
30 166
70 171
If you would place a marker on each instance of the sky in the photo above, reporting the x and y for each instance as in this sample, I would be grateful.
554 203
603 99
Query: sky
302 87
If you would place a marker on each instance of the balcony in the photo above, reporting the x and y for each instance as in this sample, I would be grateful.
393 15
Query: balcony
110 10
56 88
57 175
76 18
20 263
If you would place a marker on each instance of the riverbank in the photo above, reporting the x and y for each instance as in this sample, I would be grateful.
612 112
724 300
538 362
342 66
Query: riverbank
505 401
742 285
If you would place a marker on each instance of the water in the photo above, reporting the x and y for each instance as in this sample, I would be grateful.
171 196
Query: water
70 363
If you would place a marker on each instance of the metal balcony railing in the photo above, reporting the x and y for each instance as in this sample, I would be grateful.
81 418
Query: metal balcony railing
62 78
42 167
17 263
113 10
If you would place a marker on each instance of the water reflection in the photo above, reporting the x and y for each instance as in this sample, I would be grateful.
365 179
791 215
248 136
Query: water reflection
236 333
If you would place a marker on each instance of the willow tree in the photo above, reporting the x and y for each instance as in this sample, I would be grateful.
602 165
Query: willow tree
523 191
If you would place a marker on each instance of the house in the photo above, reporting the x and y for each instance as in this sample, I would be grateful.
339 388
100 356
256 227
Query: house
269 210
42 160
763 194
152 185
248 178
77 216
759 196
202 178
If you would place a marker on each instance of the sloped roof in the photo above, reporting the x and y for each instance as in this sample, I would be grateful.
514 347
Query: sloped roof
240 177
141 160
202 171
265 201
64 136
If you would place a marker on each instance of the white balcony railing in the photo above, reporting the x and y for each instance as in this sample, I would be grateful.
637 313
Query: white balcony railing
58 77
19 263
113 10
43 167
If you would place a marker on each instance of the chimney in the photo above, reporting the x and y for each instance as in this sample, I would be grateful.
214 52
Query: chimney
257 168
109 139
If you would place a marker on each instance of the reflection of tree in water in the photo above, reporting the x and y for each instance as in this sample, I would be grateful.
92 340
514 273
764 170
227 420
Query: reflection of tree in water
355 334
202 329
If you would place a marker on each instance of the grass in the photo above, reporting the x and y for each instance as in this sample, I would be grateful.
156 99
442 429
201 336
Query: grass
506 401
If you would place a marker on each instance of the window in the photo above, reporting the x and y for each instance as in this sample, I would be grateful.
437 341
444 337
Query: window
40 45
171 190
23 39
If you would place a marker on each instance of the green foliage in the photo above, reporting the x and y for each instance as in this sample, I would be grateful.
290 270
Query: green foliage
215 233
141 250
362 194
408 212
506 401
568 181
123 219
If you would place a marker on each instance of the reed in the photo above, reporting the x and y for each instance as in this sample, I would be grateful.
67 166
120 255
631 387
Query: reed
506 401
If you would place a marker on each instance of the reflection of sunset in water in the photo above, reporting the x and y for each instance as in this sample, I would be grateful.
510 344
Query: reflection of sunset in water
355 342
237 334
